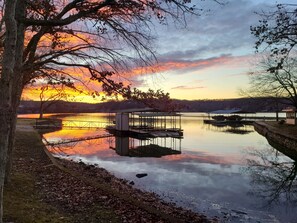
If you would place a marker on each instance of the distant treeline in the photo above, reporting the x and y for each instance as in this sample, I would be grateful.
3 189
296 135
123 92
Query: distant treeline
247 104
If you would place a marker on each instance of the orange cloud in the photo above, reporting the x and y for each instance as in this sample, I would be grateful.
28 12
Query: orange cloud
65 39
85 85
177 65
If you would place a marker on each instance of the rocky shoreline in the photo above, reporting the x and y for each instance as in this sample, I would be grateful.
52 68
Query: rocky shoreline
131 204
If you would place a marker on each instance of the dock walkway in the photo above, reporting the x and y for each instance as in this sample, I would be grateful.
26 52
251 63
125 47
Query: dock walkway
48 123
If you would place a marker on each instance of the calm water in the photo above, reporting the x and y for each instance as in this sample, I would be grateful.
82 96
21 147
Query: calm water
228 172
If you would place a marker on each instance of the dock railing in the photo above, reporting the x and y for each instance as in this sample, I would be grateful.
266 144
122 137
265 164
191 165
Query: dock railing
47 123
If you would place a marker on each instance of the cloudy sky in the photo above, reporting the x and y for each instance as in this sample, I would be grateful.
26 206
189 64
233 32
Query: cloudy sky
210 58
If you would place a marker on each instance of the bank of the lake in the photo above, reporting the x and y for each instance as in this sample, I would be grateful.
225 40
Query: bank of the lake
47 189
282 136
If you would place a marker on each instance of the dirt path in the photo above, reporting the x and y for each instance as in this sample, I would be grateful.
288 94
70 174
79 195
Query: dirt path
46 189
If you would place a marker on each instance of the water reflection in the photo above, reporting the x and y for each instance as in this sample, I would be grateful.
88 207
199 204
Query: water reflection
153 147
87 143
206 176
233 128
273 176
80 147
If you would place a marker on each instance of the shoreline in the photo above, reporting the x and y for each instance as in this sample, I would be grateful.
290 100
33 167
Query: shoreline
281 136
79 188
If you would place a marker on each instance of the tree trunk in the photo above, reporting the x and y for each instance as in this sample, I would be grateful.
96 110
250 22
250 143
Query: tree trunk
12 131
41 110
6 86
17 83
4 135
277 110
11 140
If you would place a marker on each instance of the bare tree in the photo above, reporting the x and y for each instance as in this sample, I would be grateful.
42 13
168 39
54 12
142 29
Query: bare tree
277 33
280 84
50 95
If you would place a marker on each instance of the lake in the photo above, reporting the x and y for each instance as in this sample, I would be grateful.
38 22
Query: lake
230 172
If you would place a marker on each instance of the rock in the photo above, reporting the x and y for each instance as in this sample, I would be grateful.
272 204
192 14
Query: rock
131 183
81 163
140 175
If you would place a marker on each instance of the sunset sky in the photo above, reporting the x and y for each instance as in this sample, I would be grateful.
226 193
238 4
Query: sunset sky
213 55
210 58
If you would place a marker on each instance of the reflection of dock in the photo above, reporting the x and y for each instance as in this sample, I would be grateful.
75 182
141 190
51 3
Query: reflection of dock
226 122
154 147
234 128
77 139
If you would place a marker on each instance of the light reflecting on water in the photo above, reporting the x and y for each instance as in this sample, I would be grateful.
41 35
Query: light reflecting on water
224 171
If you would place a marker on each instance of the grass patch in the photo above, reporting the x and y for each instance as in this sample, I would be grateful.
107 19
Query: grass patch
26 121
285 128
22 203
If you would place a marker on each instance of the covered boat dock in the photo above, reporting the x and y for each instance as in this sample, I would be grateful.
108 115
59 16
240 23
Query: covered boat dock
147 122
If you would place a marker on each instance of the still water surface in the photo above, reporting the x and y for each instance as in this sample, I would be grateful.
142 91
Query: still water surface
228 172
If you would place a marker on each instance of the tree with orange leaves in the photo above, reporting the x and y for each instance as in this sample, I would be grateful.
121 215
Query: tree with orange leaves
42 38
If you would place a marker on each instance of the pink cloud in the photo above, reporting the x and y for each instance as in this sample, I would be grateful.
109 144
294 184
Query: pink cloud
183 87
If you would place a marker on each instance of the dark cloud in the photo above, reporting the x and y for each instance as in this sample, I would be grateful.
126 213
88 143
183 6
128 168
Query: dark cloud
222 30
